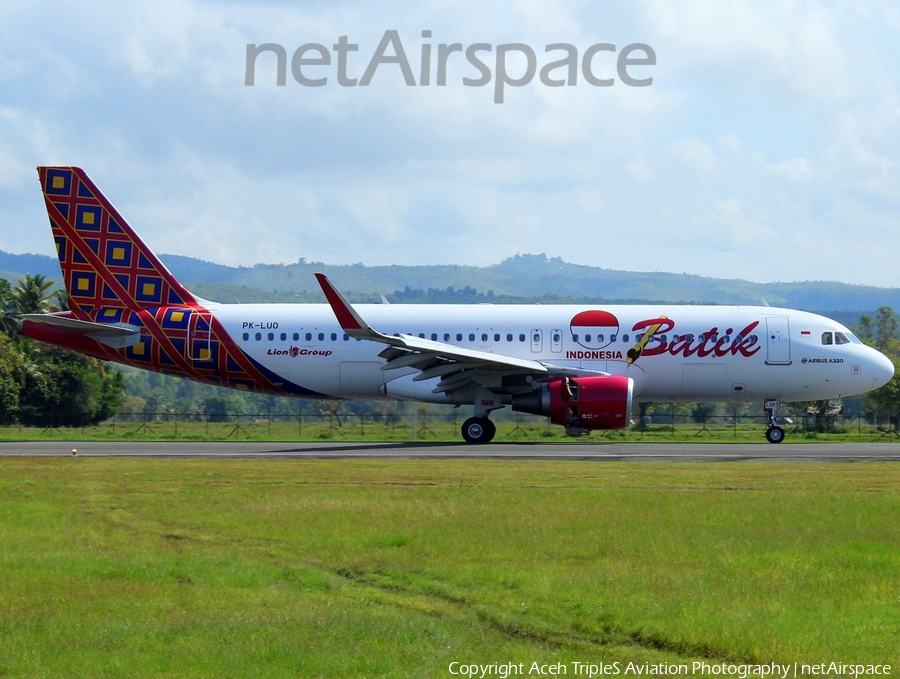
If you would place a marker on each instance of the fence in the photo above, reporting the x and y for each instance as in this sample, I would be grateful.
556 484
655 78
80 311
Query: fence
662 425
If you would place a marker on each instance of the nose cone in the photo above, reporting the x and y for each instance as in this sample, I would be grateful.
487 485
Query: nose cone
882 369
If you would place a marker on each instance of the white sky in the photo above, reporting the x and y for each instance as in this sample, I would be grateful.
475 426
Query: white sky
767 148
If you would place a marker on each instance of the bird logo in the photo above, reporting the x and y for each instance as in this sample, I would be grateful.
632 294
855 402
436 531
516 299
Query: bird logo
635 352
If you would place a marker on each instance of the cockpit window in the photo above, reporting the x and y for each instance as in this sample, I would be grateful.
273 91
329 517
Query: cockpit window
853 338
841 338
827 338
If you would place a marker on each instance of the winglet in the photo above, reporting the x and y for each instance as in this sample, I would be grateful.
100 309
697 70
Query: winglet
351 322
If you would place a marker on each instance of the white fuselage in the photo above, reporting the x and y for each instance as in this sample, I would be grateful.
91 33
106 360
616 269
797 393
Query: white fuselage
694 353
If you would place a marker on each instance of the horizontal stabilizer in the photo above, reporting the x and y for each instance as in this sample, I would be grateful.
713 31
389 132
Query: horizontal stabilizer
115 335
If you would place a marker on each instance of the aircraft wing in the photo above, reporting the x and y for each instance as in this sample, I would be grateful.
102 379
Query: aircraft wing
456 366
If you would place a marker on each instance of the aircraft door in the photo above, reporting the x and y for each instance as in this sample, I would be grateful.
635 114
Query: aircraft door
556 341
778 340
537 341
199 344
483 339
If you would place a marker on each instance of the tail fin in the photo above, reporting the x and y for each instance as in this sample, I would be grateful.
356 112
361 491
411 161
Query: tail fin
104 263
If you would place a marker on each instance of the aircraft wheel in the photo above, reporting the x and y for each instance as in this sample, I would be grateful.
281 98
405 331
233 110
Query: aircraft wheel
478 430
775 435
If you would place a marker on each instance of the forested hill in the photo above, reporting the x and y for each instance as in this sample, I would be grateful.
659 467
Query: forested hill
519 278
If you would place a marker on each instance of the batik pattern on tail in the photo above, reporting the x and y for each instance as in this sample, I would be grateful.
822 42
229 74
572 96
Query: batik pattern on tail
111 276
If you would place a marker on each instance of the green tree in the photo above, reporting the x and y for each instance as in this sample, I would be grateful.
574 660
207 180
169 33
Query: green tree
220 405
157 405
11 371
32 294
701 412
887 331
7 309
60 301
64 388
886 401
866 329
884 334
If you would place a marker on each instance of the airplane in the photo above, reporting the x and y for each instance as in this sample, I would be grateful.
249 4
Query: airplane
581 366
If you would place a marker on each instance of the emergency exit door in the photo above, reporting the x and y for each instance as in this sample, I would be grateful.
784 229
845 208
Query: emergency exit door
537 341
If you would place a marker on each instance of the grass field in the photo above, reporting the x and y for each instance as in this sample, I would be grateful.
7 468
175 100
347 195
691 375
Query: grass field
243 568
431 428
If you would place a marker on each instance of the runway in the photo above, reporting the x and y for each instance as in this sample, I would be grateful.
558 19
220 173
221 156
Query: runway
600 452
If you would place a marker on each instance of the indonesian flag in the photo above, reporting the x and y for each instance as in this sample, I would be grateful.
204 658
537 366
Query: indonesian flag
594 324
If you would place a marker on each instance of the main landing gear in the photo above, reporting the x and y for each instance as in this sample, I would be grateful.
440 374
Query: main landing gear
774 434
480 429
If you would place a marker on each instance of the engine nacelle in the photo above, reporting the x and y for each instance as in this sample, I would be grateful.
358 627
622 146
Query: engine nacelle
596 402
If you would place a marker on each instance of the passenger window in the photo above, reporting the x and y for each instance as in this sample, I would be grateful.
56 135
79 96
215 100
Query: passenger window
471 336
346 337
271 336
625 337
333 336
422 335
446 336
826 338
246 335
484 337
496 336
459 337
556 337
662 338
321 336
521 336
612 338
587 337
308 336
258 336
283 336
509 337
536 338
840 338
434 337
296 336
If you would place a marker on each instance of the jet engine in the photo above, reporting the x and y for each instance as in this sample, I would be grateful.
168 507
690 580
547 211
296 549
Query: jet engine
595 402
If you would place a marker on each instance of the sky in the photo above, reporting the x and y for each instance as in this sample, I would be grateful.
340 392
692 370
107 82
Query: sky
767 146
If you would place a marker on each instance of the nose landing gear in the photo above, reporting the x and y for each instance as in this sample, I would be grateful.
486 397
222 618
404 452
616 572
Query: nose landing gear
774 434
